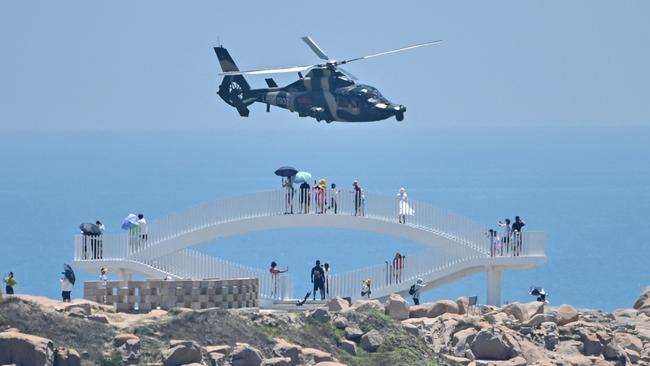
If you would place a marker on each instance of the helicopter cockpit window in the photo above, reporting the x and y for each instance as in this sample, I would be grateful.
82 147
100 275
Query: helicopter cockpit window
342 82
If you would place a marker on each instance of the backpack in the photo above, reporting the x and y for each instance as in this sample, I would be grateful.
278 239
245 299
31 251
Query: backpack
412 290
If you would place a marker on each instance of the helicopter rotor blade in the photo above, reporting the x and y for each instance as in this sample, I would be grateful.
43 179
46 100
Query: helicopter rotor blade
267 71
314 47
389 52
347 73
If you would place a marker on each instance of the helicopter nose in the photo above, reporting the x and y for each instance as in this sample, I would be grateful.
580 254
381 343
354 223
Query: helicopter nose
398 108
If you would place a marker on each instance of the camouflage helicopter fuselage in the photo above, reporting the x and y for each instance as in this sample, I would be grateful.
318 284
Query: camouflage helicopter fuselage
324 93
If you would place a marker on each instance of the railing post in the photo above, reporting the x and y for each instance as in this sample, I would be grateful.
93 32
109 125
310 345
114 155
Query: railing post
493 286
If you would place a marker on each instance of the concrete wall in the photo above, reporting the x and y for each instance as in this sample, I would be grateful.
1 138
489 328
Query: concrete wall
142 296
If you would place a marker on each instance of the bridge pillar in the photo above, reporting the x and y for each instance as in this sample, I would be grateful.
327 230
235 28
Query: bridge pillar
493 286
125 275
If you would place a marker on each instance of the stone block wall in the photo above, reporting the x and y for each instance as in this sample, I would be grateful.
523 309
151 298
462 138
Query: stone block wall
142 296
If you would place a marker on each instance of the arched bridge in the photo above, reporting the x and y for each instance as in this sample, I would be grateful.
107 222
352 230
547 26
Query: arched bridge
458 247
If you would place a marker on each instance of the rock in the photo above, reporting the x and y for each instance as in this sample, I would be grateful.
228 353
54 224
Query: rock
76 312
245 355
349 347
100 318
533 308
643 300
84 308
442 307
283 348
490 345
25 349
340 322
497 317
216 359
541 318
633 356
396 307
366 305
577 360
517 311
613 352
223 349
277 361
411 329
320 314
330 363
590 341
181 352
566 314
463 304
462 339
371 341
316 355
120 339
419 311
66 357
353 333
628 342
570 347
454 360
337 304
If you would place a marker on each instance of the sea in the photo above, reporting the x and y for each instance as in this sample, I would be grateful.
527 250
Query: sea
586 187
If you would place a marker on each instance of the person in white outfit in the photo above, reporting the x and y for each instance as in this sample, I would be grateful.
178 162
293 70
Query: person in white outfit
403 208
143 229
419 285
66 288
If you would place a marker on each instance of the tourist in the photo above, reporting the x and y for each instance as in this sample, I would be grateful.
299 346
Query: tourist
495 244
403 208
516 233
321 195
66 287
10 283
103 281
334 198
318 279
144 228
287 183
398 265
358 199
98 242
505 233
416 290
275 277
304 197
326 270
365 288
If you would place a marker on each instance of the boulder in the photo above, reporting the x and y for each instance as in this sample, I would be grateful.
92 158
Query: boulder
577 360
533 308
223 349
396 307
215 359
613 352
455 360
340 322
643 300
84 308
120 339
66 357
419 311
462 339
349 347
566 314
277 361
181 352
320 314
541 318
590 342
463 304
628 342
411 329
442 307
100 318
316 355
283 348
371 340
353 333
570 347
245 355
366 305
25 349
337 304
491 346
76 312
330 363
517 311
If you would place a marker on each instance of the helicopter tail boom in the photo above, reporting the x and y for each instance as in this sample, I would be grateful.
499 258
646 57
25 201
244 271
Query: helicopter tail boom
234 89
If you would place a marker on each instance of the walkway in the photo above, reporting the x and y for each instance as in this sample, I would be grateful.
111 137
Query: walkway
458 247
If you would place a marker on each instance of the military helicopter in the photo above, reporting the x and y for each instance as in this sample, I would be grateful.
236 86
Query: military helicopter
327 92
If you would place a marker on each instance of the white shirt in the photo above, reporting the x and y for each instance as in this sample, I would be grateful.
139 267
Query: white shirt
102 228
66 285
142 224
103 278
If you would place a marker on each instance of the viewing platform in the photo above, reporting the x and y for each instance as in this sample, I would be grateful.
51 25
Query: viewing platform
457 246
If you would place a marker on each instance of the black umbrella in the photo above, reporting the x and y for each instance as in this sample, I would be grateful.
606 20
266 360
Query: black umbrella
90 229
286 171
69 273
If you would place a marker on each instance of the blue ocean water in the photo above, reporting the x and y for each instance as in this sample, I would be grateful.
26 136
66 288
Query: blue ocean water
587 188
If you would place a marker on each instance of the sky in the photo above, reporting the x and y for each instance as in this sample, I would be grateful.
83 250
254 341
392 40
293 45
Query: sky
149 65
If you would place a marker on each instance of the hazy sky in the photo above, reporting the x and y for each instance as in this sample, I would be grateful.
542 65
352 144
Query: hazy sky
150 65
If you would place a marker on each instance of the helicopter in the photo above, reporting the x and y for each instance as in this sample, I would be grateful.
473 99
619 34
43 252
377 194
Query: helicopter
327 92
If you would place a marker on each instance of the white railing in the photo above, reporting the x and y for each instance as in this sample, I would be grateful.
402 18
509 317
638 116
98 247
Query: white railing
191 264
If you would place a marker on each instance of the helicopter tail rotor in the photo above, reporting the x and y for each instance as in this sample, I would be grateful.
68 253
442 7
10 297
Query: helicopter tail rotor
234 88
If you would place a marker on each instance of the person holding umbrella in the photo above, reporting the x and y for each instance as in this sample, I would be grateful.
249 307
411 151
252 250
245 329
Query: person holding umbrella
287 173
67 282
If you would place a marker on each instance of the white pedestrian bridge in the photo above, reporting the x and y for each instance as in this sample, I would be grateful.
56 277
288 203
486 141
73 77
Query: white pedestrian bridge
457 247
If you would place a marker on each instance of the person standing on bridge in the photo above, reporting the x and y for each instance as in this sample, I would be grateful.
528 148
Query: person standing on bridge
403 208
287 183
416 290
144 229
516 233
505 233
275 277
318 279
304 197
334 199
358 199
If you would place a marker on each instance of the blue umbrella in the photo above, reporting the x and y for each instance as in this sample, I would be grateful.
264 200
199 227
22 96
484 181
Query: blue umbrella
286 171
130 221
302 177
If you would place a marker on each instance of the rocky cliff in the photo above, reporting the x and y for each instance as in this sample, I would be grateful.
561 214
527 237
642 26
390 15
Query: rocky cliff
39 331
